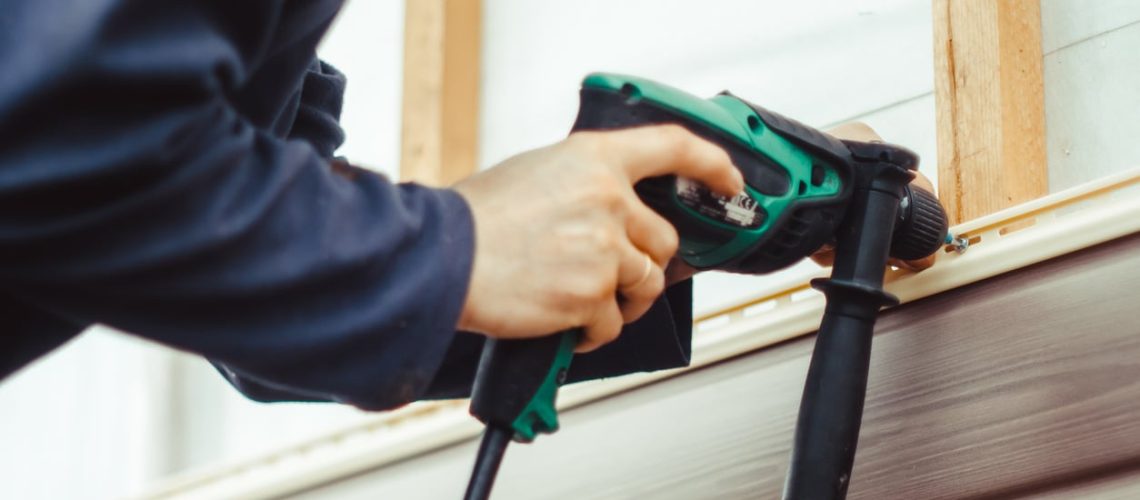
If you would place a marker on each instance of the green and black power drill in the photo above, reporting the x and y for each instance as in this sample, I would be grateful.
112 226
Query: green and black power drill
804 189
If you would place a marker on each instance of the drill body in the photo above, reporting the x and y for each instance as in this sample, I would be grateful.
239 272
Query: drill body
798 180
803 189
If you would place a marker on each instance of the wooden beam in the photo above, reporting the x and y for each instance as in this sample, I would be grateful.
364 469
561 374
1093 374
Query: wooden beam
441 90
989 105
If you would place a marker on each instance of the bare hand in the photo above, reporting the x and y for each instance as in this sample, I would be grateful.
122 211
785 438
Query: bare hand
563 241
859 131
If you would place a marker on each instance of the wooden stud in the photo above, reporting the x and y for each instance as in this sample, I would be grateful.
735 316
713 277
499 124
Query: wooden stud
989 105
441 90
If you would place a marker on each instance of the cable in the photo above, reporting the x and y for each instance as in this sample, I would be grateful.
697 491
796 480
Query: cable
491 450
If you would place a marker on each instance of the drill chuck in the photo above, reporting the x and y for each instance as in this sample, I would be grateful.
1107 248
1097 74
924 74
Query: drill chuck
921 226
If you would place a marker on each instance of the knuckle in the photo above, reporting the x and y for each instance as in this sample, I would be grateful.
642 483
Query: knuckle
598 188
648 291
670 241
574 295
656 283
675 132
717 153
585 159
602 292
705 156
603 239
596 142
606 192
586 343
579 139
585 147
661 245
680 143
608 332
589 291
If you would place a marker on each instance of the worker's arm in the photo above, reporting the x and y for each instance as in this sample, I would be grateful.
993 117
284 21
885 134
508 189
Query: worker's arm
660 339
134 193
315 120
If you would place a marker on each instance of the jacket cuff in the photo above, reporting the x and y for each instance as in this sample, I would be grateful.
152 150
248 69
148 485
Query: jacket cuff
433 324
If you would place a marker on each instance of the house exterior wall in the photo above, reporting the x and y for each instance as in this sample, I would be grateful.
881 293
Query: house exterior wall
1024 385
1092 73
109 413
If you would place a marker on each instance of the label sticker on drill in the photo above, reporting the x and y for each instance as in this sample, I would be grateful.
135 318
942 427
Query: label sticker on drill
741 210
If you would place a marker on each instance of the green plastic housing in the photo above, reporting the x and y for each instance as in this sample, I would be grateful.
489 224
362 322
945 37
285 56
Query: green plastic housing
728 119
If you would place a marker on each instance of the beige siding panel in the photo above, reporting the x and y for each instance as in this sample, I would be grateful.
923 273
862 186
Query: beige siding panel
1123 487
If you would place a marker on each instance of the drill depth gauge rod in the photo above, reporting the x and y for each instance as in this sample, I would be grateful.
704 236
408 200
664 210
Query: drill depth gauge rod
803 189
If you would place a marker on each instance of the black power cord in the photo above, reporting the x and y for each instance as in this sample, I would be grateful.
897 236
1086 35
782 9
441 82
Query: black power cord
491 450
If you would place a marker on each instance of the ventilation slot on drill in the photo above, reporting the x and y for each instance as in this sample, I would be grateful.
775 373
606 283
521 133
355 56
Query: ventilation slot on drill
789 236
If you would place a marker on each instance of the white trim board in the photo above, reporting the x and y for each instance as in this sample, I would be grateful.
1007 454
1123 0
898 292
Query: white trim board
1033 232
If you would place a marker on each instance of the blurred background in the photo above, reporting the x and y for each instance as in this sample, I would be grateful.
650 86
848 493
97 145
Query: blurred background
108 414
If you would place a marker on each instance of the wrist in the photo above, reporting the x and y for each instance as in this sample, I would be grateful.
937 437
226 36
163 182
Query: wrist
466 320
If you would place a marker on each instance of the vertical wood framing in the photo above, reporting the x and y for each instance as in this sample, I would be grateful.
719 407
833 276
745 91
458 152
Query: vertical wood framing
439 132
989 104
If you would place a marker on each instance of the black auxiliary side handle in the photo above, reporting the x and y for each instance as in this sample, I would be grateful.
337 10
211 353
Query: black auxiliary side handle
831 411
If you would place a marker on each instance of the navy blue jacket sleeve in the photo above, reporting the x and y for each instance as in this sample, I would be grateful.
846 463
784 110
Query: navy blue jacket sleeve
134 193
151 180
317 118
